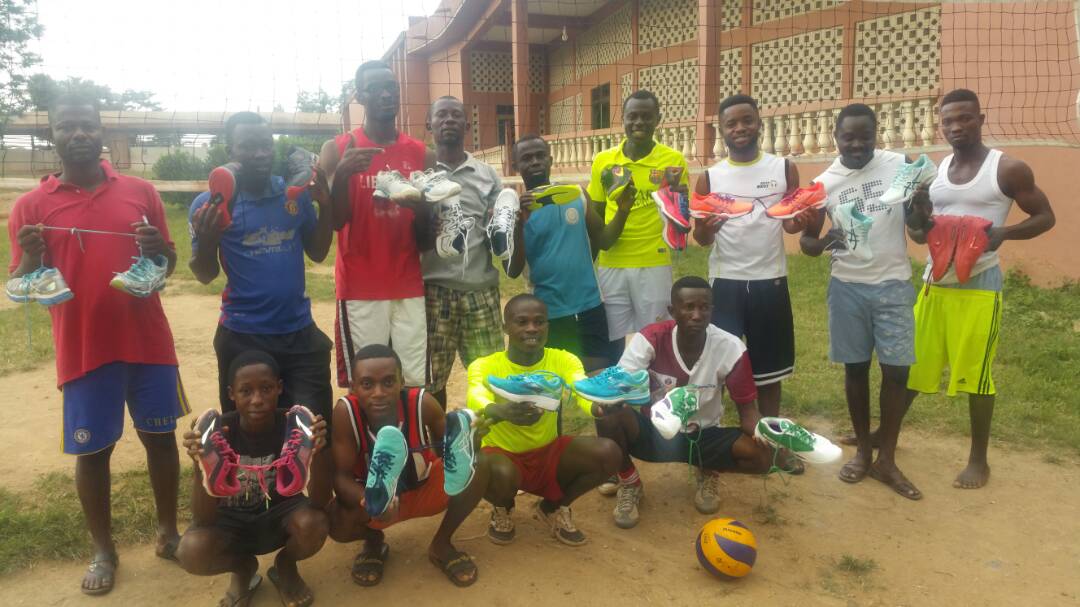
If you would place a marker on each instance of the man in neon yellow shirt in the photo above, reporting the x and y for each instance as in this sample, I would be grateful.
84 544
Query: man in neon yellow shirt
634 263
524 448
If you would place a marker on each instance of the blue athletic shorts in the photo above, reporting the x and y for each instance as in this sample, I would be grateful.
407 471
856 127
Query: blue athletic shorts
94 404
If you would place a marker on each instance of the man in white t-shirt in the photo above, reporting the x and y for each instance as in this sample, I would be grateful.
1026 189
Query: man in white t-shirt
870 293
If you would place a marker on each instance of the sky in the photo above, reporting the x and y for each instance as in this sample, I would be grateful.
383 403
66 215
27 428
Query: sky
219 54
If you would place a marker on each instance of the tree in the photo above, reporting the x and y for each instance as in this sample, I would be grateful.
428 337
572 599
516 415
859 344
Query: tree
18 26
323 102
43 89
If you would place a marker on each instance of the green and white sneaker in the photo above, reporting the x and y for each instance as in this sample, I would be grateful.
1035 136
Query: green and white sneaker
783 433
671 414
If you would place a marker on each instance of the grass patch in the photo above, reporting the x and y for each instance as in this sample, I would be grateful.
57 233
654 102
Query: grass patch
854 565
46 522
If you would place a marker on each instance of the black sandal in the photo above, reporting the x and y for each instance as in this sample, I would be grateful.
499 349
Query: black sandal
367 569
104 567
458 564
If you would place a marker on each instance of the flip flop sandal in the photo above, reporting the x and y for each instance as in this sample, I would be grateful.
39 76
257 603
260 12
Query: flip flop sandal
276 581
898 487
105 569
459 563
856 476
253 585
367 569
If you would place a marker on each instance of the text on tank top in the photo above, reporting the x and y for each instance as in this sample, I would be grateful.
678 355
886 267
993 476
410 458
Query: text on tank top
750 247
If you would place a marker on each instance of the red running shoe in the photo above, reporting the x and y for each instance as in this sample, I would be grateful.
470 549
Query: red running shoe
294 465
674 237
669 202
811 197
971 241
717 204
222 186
941 241
217 460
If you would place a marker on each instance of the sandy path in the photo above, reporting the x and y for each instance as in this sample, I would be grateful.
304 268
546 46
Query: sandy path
1014 543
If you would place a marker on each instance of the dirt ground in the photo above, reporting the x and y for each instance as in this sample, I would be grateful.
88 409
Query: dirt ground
1012 543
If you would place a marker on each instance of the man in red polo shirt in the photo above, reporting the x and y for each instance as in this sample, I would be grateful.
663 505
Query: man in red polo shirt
380 289
111 347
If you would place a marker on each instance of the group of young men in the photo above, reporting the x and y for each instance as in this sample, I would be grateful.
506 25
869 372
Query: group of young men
416 287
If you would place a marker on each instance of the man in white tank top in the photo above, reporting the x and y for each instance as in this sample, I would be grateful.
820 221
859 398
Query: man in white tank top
956 325
747 265
870 295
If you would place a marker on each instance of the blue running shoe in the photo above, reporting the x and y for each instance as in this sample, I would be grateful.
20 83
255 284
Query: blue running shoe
541 388
615 385
388 459
458 452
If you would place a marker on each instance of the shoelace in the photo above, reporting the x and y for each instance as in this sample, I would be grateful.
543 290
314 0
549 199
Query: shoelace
710 485
380 465
455 221
529 378
625 499
503 219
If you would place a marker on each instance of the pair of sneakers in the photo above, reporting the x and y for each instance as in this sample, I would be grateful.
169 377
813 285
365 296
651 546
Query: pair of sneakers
220 463
959 241
390 455
560 519
437 188
547 390
628 497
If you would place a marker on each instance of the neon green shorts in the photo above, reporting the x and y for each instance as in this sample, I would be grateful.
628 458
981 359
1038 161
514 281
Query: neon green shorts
957 329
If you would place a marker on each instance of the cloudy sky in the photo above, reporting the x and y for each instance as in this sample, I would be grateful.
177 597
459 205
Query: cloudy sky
219 54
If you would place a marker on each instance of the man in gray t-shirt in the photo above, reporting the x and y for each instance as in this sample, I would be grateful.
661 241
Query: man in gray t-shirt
462 292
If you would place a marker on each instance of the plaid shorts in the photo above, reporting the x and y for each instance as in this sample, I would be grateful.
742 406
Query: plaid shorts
468 323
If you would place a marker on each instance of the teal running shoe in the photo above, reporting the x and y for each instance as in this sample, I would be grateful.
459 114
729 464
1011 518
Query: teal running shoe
44 285
541 388
459 455
909 178
615 385
783 433
671 414
388 459
144 278
856 228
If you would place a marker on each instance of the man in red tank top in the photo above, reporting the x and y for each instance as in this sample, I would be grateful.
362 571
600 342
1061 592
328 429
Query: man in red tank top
379 285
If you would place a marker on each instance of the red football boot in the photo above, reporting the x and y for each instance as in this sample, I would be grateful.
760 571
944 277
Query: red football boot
971 241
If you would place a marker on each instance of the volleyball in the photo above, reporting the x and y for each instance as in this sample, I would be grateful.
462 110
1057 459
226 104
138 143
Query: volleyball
726 548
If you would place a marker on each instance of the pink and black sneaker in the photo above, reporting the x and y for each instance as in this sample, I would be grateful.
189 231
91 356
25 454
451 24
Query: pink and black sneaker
294 465
217 460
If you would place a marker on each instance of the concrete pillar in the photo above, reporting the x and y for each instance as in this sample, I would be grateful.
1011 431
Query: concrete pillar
524 110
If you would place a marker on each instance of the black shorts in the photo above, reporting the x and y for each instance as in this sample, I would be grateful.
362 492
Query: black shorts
760 311
584 335
260 533
304 359
712 450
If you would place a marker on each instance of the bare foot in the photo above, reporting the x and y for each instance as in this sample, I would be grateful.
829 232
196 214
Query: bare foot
891 476
973 477
851 441
855 470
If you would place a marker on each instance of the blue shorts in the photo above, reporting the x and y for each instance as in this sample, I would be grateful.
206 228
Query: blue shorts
868 317
94 404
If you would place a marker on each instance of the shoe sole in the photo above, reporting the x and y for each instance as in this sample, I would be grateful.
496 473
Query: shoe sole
543 402
630 399
52 300
499 541
706 214
827 453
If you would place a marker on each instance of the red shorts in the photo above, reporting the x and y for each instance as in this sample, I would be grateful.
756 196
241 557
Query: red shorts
427 500
538 468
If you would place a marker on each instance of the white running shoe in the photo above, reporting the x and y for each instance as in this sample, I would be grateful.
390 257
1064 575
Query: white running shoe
783 433
452 237
500 230
392 186
435 185
44 285
908 179
144 278
856 228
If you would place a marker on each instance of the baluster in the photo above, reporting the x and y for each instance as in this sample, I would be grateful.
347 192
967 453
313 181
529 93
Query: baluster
809 140
780 141
693 141
571 152
794 141
908 134
926 133
824 133
579 151
718 143
589 151
888 138
766 136
685 138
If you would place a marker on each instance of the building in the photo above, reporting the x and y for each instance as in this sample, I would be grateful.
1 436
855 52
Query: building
563 67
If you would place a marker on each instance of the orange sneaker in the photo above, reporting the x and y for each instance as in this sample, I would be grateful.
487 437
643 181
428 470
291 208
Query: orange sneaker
811 197
971 241
941 241
717 204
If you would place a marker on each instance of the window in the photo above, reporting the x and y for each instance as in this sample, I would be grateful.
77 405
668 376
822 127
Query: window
504 123
601 106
